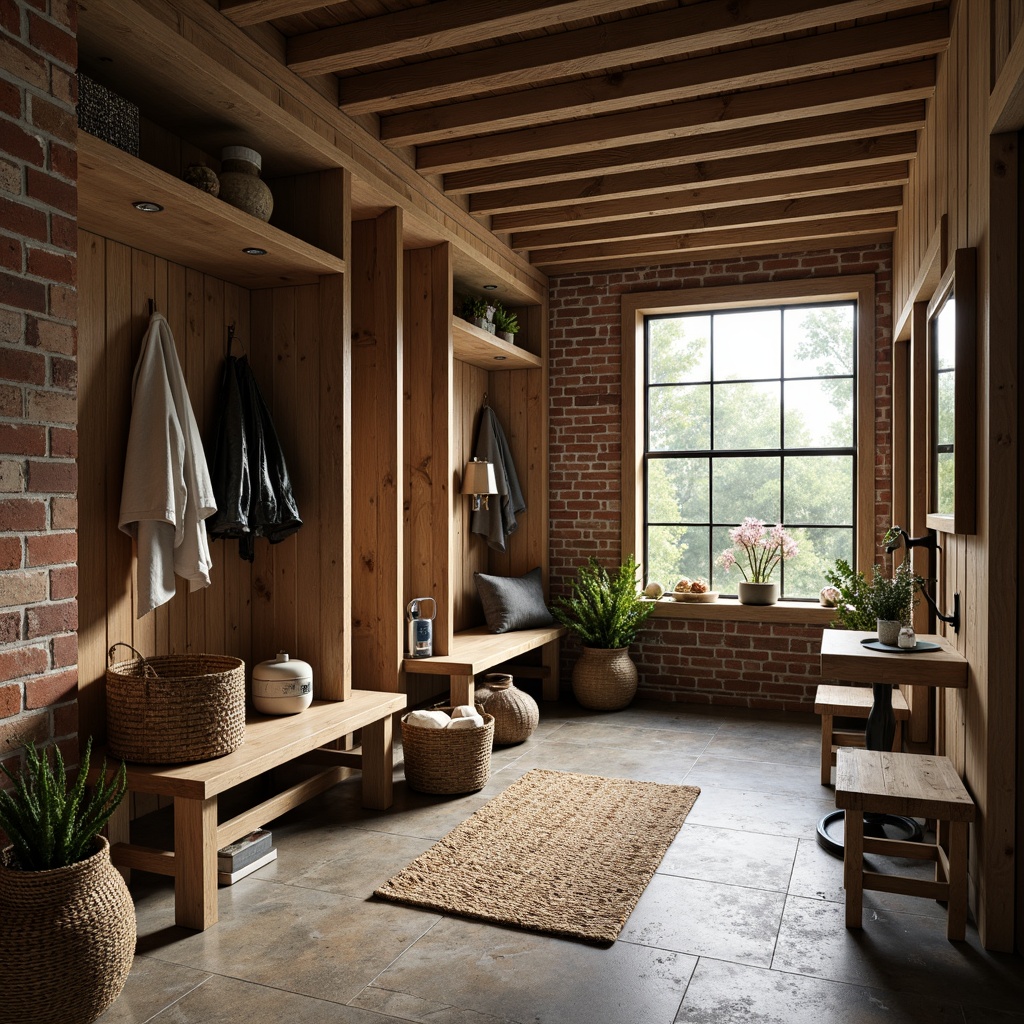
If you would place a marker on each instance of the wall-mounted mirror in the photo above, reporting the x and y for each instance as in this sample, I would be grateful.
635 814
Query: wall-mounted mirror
953 406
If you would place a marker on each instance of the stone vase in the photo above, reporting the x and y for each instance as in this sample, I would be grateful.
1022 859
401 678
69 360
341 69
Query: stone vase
889 631
758 593
67 940
240 182
604 679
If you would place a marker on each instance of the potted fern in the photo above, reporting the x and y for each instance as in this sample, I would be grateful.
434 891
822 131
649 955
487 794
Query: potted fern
506 323
884 603
605 612
68 934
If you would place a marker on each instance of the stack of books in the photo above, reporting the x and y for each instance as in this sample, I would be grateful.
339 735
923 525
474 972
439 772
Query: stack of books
244 857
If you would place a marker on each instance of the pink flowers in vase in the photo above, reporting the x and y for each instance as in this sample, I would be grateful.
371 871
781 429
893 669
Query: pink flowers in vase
762 549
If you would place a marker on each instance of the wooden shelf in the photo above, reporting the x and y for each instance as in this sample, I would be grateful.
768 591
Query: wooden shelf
194 229
483 349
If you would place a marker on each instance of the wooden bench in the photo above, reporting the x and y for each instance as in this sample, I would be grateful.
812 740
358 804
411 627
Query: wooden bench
833 701
476 650
915 786
270 741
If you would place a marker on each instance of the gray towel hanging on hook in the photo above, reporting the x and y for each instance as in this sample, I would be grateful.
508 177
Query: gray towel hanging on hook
498 522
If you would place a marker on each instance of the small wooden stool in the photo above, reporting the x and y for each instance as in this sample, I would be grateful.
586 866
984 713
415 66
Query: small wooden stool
916 786
832 702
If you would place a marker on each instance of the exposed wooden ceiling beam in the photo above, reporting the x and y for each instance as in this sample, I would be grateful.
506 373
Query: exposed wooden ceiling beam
835 204
646 248
252 12
828 156
815 98
799 247
437 26
710 197
910 38
759 139
561 55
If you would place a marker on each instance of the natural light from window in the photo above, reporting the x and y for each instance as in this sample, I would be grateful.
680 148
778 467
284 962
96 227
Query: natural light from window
750 412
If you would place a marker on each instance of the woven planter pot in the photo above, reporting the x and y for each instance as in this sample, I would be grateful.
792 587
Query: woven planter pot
448 761
604 679
66 942
515 713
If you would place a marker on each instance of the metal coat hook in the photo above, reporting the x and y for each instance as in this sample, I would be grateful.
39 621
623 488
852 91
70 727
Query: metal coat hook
231 337
152 307
485 399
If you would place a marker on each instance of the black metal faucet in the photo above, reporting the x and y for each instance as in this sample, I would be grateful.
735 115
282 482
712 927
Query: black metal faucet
896 537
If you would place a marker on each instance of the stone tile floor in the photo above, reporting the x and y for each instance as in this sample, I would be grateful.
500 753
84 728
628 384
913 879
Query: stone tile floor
742 922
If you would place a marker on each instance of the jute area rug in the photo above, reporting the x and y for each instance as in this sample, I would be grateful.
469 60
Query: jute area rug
556 852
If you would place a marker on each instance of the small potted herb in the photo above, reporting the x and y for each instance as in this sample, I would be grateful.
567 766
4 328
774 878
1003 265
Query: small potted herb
506 324
474 309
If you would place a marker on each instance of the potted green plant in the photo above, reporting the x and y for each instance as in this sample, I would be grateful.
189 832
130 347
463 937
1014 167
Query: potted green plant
506 323
474 309
886 603
68 934
605 612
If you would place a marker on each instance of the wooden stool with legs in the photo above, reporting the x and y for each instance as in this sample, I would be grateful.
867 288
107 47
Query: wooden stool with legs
838 701
916 786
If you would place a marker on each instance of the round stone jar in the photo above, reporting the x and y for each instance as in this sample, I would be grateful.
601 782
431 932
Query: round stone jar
240 182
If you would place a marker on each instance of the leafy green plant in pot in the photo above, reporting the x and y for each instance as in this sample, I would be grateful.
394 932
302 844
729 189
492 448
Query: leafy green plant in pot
506 323
68 934
885 603
605 611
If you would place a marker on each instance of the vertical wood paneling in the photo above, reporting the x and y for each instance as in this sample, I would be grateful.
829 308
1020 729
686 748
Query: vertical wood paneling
92 486
377 470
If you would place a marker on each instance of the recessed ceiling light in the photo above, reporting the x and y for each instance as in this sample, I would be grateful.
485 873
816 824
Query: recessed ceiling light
500 358
254 250
145 206
490 287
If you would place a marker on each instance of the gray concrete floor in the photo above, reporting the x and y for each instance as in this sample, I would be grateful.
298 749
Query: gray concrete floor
744 920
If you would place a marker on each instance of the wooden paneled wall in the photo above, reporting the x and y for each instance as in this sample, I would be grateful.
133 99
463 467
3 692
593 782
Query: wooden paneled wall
289 598
952 177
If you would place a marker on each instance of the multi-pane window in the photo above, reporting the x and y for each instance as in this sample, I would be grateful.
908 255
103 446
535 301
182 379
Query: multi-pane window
750 412
944 426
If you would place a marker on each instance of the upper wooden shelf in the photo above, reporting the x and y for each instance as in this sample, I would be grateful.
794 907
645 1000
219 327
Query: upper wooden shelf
483 349
194 228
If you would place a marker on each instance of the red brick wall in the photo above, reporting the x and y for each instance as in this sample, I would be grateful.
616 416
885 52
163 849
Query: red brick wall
38 375
686 660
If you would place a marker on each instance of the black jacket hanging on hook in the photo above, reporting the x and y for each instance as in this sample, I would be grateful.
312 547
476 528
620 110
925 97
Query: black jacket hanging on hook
250 477
497 522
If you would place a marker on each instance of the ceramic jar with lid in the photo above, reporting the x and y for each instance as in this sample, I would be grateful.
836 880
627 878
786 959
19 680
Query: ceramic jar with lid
282 685
240 182
515 713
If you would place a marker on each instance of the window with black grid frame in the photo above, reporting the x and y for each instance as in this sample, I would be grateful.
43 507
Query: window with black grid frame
750 412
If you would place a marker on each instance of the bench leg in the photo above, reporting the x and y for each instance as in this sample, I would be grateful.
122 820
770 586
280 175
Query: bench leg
119 831
956 909
826 748
377 764
853 866
549 658
462 690
195 862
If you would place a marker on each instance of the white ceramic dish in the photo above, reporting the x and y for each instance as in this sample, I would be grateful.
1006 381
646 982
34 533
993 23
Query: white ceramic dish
706 598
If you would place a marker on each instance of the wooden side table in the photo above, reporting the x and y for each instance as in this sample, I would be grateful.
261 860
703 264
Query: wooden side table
845 659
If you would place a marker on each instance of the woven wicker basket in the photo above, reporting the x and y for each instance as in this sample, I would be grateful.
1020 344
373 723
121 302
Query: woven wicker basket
173 708
448 760
67 941
516 714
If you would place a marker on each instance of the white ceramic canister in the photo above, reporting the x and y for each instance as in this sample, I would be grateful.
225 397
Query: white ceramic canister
282 685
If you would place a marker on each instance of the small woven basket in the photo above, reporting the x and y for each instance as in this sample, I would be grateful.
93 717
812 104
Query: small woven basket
516 714
173 708
447 761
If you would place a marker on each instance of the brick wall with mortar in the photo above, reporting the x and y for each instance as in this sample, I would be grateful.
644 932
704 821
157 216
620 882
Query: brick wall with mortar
725 663
38 375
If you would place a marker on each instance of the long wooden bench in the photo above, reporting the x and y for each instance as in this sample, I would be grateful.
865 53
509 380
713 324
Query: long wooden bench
476 650
270 741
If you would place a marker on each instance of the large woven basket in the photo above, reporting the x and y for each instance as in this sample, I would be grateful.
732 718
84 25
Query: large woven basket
448 760
173 708
67 940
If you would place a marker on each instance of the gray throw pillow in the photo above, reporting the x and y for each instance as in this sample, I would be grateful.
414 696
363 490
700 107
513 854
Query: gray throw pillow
513 602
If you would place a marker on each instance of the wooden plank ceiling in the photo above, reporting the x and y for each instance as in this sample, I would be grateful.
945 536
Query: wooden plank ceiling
598 133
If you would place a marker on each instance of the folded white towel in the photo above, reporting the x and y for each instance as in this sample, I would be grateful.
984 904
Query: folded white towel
466 722
464 711
428 719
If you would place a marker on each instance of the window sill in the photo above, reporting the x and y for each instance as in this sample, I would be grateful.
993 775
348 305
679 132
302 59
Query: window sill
729 609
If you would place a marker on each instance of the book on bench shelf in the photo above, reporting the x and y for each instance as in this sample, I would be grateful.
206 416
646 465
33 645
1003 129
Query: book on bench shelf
230 877
244 851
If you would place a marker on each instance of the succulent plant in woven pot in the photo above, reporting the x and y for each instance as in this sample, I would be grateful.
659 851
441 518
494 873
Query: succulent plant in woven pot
68 934
605 611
